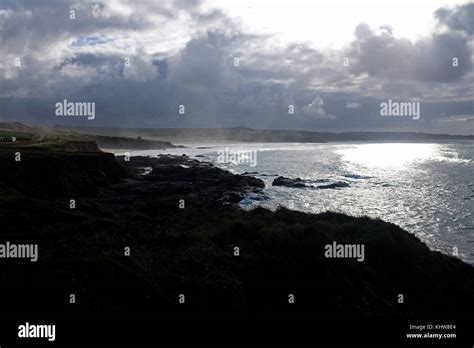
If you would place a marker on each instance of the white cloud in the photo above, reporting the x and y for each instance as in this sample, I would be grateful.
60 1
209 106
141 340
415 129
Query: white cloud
316 109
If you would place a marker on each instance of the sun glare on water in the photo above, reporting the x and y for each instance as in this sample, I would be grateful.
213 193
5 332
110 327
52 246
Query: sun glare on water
395 156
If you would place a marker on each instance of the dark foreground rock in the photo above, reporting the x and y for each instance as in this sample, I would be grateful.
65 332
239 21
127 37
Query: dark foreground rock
59 172
176 248
174 175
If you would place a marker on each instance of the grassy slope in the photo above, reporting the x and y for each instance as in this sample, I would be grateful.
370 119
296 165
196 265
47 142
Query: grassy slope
191 251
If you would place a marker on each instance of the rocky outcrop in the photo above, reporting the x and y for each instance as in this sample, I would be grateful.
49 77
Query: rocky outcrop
288 182
182 227
337 184
80 146
183 175
47 173
300 183
131 143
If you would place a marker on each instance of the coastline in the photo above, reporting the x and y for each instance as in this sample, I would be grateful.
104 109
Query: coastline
182 223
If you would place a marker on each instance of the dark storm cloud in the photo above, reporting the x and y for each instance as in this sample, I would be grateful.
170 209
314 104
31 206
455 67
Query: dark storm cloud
431 60
205 61
461 18
179 53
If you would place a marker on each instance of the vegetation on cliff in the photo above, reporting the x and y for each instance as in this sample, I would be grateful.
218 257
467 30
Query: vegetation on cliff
182 225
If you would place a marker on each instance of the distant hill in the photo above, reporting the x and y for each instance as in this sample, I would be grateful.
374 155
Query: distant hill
161 138
45 136
17 126
242 134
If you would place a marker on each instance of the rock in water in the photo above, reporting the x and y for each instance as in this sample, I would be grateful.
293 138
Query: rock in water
334 185
288 182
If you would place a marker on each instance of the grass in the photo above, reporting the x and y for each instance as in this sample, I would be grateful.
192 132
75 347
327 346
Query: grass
191 251
20 136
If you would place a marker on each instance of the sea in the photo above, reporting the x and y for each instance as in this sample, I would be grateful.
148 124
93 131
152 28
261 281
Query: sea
425 188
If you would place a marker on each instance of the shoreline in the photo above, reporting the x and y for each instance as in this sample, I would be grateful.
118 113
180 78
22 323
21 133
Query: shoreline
181 224
348 185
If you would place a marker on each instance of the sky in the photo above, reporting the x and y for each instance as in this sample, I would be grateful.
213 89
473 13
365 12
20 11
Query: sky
239 63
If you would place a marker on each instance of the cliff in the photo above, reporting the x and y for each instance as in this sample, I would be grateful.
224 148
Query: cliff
182 225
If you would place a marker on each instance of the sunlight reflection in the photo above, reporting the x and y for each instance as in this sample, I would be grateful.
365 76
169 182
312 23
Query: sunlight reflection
397 156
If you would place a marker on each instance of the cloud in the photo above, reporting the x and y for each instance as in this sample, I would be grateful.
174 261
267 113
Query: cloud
190 60
205 61
381 55
316 109
139 67
462 118
353 105
460 18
